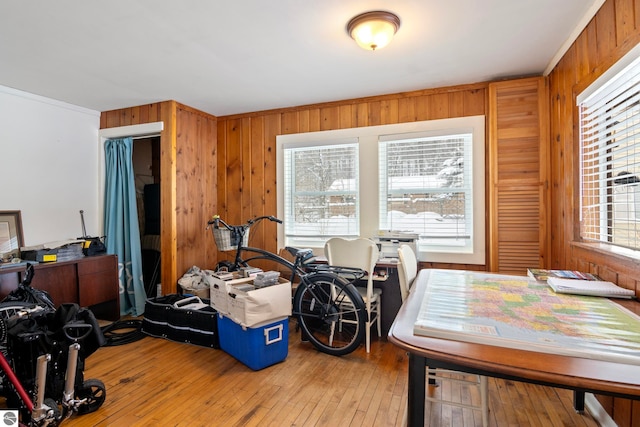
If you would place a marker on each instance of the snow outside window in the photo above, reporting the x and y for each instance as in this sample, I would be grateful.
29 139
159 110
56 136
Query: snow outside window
422 177
610 156
321 191
426 188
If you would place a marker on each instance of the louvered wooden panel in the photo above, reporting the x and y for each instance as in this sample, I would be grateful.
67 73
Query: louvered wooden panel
518 150
518 237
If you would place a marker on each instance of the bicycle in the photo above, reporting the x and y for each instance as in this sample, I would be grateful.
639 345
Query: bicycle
328 308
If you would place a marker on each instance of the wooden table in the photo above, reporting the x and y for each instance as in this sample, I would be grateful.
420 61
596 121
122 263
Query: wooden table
541 367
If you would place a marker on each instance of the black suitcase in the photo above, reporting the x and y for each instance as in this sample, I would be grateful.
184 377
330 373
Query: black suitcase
181 319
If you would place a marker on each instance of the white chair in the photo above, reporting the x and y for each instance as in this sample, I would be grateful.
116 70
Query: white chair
407 269
407 272
359 253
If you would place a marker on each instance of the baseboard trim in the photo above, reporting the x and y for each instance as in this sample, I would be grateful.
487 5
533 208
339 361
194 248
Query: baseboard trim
597 411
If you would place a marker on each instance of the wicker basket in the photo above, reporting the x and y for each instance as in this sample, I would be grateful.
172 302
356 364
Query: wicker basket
226 240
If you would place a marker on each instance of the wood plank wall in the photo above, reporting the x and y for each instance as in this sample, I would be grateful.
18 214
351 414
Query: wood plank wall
247 144
188 182
611 33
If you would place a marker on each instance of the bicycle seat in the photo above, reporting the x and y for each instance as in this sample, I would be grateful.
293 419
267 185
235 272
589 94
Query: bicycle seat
303 254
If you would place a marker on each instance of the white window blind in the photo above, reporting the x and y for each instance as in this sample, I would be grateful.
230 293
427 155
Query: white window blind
334 183
321 190
426 188
610 157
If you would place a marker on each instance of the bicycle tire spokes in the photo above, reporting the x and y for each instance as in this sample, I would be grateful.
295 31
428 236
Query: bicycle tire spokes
328 313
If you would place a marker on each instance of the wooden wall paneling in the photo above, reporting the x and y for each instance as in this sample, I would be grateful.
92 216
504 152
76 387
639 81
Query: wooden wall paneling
194 201
407 110
247 180
374 114
314 120
221 152
609 35
421 105
625 15
474 102
291 121
168 229
605 21
187 170
439 106
362 115
233 173
208 148
272 128
389 111
329 118
456 104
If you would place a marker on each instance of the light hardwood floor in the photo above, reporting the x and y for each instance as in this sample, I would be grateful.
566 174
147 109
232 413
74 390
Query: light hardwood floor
155 382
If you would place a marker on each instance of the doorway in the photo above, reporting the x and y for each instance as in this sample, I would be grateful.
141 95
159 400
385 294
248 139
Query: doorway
146 166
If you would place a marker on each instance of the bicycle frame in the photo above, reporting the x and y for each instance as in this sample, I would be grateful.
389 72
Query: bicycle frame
324 300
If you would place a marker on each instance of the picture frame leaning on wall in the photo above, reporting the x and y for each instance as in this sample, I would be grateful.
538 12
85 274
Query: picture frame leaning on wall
11 237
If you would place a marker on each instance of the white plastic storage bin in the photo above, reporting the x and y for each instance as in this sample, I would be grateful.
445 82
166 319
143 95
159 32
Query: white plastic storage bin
257 347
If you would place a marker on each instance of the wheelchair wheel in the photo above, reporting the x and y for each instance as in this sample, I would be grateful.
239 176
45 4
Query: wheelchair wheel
8 310
330 312
95 392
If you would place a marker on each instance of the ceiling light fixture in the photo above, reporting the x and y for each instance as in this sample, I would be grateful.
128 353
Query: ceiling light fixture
373 30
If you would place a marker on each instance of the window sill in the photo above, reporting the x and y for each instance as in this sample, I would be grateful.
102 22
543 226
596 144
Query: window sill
622 254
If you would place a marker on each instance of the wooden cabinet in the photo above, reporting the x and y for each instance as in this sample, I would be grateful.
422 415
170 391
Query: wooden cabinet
518 170
89 282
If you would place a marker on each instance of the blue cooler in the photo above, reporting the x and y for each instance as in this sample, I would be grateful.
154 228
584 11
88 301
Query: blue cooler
257 347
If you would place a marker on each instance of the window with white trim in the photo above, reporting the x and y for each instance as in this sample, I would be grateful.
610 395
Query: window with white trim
609 133
421 177
321 191
426 188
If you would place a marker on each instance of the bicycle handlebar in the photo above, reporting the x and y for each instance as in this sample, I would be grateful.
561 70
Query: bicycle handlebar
216 221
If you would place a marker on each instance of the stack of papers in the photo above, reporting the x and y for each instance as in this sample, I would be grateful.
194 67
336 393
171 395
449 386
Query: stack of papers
598 288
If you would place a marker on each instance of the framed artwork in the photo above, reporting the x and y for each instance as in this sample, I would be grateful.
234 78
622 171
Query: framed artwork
11 238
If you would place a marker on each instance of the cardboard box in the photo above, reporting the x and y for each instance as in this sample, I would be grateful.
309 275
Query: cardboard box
219 293
257 347
257 306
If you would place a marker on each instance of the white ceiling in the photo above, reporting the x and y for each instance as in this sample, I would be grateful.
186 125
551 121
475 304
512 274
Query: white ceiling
236 56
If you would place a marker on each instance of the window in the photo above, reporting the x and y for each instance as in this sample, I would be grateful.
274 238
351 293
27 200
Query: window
426 187
610 156
421 177
321 191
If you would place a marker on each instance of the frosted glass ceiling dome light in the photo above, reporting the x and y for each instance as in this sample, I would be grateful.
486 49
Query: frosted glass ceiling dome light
373 30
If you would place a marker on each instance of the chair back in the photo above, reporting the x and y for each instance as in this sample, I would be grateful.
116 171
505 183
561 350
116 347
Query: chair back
355 253
407 269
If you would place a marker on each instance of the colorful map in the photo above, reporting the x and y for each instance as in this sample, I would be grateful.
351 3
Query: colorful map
517 312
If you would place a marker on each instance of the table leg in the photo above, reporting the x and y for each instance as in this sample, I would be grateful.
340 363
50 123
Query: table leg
578 401
416 394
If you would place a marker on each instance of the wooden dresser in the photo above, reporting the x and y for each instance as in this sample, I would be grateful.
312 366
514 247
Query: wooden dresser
89 281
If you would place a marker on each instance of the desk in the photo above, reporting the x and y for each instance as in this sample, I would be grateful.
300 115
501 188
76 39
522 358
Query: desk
390 285
541 367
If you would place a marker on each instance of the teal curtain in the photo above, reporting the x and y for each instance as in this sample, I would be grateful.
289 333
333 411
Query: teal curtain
121 224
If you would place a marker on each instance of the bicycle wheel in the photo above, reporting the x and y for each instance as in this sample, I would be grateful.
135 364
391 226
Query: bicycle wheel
330 312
